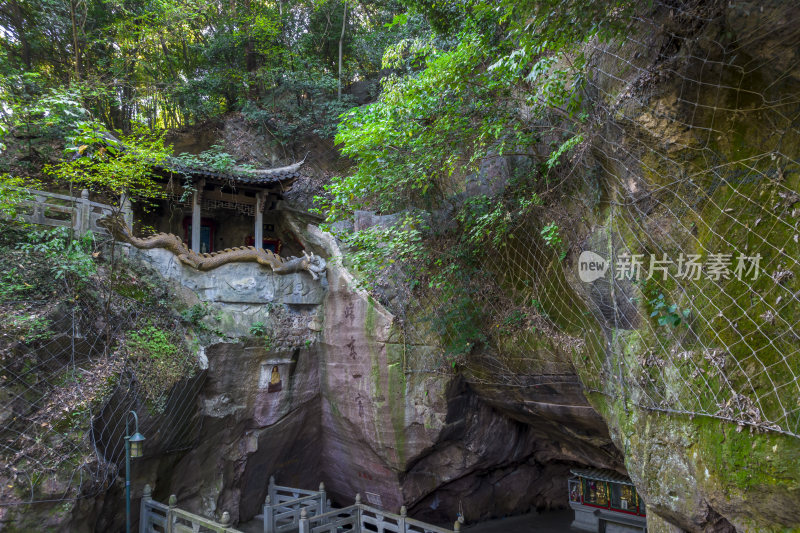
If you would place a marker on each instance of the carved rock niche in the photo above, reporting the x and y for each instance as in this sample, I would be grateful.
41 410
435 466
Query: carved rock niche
273 374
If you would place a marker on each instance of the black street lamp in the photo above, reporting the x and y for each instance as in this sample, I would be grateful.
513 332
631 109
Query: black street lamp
134 447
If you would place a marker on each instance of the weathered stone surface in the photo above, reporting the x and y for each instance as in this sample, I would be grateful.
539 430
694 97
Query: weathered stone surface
430 440
367 219
250 430
237 283
696 473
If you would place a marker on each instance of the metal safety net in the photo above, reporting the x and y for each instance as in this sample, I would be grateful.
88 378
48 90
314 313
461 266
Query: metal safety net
661 264
80 347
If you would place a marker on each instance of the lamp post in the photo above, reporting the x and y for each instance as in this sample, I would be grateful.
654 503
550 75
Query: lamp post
133 448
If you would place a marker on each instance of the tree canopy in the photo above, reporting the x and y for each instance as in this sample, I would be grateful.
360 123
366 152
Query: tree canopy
453 84
171 63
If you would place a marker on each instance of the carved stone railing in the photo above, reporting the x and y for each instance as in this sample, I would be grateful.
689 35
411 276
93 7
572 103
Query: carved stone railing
296 510
155 517
360 518
81 214
284 506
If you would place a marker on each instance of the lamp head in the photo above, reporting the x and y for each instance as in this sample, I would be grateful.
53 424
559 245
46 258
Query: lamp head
137 445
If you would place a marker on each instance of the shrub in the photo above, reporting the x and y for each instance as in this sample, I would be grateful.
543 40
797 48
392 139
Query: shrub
159 359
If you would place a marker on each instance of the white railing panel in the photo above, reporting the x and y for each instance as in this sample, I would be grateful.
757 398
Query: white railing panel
52 209
418 526
295 492
333 526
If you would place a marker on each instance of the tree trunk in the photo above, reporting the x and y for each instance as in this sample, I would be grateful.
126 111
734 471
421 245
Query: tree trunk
75 49
17 18
249 46
341 40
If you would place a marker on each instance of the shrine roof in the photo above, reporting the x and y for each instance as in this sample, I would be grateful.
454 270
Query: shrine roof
235 175
240 175
601 474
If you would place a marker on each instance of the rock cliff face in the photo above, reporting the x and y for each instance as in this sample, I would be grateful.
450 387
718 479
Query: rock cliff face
691 155
430 441
694 144
348 412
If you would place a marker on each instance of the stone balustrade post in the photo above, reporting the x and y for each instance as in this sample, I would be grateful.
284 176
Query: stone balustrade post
303 524
37 215
269 525
173 503
82 217
321 508
358 512
225 519
272 491
144 513
401 522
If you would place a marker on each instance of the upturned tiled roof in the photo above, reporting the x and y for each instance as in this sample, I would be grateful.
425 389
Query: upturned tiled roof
244 176
241 175
600 474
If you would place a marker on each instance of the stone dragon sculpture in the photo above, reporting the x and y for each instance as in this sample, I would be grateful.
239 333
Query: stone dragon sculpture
313 264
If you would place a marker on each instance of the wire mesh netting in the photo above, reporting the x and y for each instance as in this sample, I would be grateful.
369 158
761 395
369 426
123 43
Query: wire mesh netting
663 263
683 197
75 358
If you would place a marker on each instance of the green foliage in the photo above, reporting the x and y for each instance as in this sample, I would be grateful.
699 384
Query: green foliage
159 360
461 326
438 121
435 124
553 239
28 328
494 79
258 329
491 219
425 128
11 284
563 148
112 166
35 112
28 275
201 318
13 192
668 314
170 63
484 218
214 159
378 249
152 343
195 314
69 258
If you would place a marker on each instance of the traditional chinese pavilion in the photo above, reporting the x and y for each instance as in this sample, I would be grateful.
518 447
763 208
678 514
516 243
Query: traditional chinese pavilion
605 501
212 210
